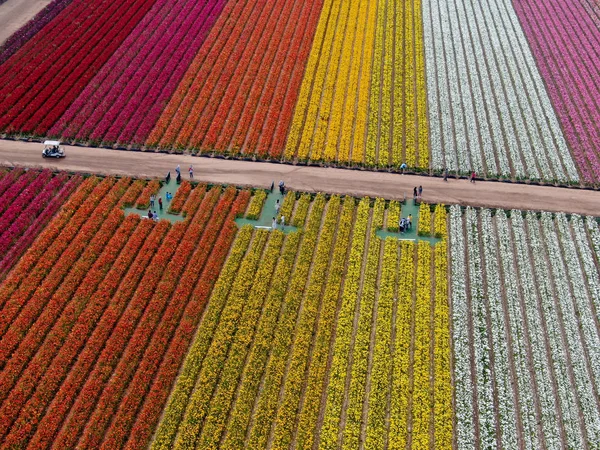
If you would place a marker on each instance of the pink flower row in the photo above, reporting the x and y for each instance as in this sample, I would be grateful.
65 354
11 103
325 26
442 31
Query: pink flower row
566 44
125 99
43 208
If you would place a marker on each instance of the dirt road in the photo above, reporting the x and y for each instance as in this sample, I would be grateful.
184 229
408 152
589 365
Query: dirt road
311 179
16 13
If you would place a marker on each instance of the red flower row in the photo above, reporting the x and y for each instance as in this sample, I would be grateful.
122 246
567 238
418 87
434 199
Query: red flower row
161 385
9 178
16 188
41 220
33 261
180 197
125 245
120 336
117 296
143 202
125 417
135 350
52 328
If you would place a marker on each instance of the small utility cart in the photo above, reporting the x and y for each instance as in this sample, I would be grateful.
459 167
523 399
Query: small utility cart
52 149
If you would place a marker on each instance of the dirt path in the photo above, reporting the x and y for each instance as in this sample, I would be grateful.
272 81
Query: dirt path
16 13
310 179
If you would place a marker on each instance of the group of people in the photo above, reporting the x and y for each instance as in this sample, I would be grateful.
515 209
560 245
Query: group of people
417 193
153 215
406 223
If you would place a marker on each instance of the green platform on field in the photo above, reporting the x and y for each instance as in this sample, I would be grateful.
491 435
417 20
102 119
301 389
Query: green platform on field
409 207
265 221
171 187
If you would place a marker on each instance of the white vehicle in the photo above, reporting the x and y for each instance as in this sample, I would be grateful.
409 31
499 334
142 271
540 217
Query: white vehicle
52 149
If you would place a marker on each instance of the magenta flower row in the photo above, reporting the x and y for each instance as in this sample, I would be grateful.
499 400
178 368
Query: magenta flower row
27 31
23 199
125 99
566 44
26 228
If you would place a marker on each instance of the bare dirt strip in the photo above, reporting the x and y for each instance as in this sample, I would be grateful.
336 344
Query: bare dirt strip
16 13
308 178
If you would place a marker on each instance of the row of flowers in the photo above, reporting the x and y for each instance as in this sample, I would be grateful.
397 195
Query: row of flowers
382 356
557 46
360 352
39 96
265 412
216 356
59 340
256 205
259 353
303 333
18 187
28 225
315 385
343 334
453 134
123 377
66 248
393 215
46 238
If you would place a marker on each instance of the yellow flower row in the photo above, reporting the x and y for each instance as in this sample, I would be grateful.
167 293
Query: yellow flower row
400 50
421 91
409 85
442 418
167 430
199 401
421 401
256 205
292 388
266 407
352 41
261 347
363 333
301 210
400 386
225 383
393 216
439 221
312 66
382 363
287 206
361 88
424 220
373 123
341 351
308 415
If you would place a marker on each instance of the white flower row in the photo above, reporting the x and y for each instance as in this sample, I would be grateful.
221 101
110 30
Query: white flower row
581 374
483 365
465 430
476 65
566 394
582 300
518 336
504 383
541 366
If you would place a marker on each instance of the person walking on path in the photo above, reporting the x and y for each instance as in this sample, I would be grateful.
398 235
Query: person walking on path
415 194
409 221
191 172
420 192
445 174
274 223
178 169
281 187
160 203
473 175
152 198
277 207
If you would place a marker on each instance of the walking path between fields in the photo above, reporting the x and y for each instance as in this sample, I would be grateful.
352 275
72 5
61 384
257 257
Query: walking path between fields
309 179
16 13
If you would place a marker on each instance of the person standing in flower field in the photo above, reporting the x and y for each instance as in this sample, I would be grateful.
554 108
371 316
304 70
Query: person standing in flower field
178 169
420 192
277 207
282 221
473 175
445 174
160 203
152 198
274 224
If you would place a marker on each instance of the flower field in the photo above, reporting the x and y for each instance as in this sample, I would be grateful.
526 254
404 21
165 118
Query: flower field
323 337
501 88
525 290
